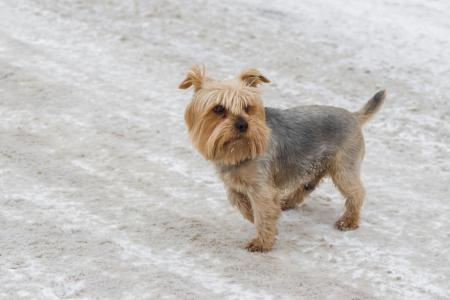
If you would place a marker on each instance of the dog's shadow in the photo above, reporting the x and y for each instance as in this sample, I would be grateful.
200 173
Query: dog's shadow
229 232
319 212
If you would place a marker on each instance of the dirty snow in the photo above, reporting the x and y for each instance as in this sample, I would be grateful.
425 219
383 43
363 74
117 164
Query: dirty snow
103 197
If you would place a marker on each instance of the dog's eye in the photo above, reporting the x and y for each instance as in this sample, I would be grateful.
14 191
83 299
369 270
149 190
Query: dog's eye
219 109
247 109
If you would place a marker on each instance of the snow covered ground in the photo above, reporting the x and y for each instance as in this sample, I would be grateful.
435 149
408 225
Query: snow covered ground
103 197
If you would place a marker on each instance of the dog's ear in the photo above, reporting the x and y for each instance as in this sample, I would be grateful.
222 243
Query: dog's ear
194 77
252 77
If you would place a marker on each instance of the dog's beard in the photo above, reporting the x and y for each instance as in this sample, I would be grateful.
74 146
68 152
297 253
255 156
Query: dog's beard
228 147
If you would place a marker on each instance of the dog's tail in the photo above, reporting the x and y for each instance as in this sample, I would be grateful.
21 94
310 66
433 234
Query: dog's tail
371 108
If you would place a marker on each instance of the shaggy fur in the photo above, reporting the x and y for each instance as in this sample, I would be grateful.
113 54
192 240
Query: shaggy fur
271 159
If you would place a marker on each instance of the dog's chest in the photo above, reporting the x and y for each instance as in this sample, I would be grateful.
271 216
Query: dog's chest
242 177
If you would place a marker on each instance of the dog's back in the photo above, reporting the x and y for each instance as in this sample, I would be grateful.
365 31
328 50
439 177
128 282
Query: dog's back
305 140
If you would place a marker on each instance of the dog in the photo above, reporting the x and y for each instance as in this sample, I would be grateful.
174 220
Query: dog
270 159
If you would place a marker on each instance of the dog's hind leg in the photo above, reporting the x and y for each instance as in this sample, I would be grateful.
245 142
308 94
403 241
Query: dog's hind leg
347 179
301 193
294 199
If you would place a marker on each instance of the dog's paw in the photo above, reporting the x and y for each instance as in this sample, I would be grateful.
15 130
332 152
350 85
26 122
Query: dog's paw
256 245
346 223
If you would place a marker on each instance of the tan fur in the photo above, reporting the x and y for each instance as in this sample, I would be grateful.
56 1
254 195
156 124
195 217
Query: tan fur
301 191
250 188
249 180
195 77
213 135
345 173
253 77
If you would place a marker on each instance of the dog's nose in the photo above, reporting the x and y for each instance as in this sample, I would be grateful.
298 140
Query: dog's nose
241 125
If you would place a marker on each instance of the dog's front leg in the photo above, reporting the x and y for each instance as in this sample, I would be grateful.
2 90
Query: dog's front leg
266 211
242 202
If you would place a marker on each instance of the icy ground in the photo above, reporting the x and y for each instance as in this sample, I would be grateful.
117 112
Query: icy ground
103 197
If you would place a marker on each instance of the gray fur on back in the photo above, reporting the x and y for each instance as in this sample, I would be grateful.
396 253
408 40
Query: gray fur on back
304 139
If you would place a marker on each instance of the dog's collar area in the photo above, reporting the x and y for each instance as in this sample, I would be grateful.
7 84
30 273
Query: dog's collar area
230 167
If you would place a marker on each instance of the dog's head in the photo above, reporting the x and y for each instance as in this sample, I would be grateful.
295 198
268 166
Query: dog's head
226 119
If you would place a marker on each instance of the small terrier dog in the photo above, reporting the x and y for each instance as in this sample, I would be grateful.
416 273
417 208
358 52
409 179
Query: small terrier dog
271 159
